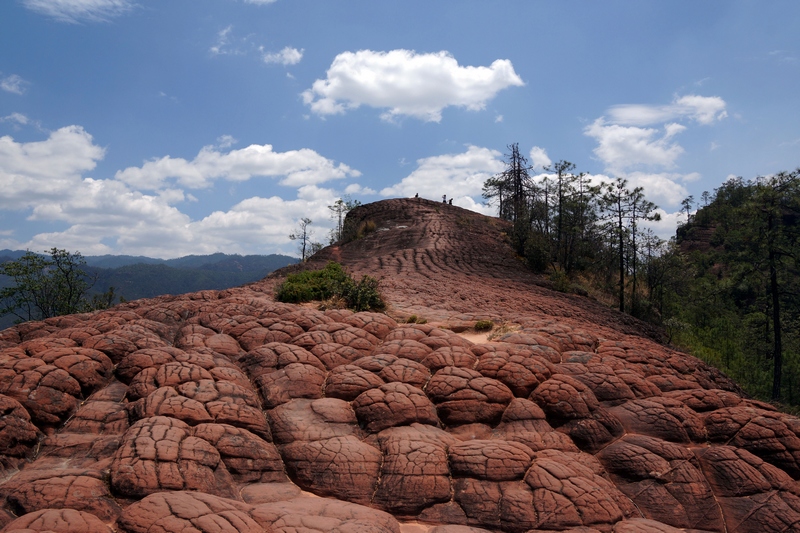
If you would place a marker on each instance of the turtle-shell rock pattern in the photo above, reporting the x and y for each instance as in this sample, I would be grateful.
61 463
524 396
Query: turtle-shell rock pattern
225 411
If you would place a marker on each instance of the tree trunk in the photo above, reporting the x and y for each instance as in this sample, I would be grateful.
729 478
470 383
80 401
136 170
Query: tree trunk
621 261
777 348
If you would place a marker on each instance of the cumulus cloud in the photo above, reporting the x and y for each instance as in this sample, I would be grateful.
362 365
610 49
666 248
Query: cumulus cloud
624 147
47 180
260 2
355 188
255 221
662 188
624 142
648 156
406 83
14 84
703 109
665 228
456 175
294 168
33 171
468 202
287 56
539 158
107 216
75 11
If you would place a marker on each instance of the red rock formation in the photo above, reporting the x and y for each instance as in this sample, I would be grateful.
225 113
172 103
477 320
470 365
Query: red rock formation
227 411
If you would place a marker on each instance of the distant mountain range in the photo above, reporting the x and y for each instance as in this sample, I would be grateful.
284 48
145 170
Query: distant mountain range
136 277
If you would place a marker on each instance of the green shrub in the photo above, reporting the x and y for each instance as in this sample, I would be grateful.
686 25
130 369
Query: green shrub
560 281
312 284
484 325
331 283
362 295
537 252
412 319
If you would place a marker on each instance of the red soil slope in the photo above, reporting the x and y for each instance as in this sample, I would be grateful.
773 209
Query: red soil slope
441 262
224 411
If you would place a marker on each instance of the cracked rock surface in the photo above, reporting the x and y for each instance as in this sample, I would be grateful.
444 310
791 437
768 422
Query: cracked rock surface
225 411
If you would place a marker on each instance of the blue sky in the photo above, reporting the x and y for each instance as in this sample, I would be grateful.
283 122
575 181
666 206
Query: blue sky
167 128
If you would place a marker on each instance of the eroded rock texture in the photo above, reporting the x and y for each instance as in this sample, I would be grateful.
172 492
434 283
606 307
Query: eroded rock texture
225 411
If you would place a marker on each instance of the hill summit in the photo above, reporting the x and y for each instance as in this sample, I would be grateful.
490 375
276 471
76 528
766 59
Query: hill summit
228 411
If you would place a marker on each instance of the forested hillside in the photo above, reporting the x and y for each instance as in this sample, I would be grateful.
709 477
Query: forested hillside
134 277
739 305
727 287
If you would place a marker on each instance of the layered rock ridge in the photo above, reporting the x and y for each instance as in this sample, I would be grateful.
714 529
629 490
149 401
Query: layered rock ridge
225 411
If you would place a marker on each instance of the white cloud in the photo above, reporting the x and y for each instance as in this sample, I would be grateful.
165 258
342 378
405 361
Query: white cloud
14 84
254 222
226 141
662 188
106 216
468 202
260 2
355 188
703 109
31 172
538 157
665 228
623 142
624 147
643 154
456 175
46 179
287 56
222 45
16 118
407 83
74 11
294 168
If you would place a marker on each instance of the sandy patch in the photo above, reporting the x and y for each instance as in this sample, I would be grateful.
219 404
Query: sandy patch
474 337
414 527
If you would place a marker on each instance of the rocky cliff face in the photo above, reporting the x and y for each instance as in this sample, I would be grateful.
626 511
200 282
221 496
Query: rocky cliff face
228 412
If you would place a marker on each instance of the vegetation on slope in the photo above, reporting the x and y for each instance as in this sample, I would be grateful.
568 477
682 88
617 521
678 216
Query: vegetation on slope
727 288
739 304
109 279
333 285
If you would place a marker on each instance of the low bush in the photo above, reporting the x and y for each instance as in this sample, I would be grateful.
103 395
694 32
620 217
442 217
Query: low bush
484 325
353 231
560 281
331 283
